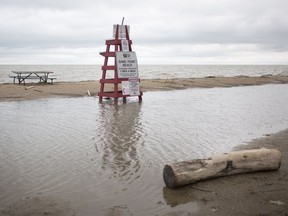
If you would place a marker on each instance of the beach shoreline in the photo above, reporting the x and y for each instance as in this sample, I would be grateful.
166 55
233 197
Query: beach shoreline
258 193
33 91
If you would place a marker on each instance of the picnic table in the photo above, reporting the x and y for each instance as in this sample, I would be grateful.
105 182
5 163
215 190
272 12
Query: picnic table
42 76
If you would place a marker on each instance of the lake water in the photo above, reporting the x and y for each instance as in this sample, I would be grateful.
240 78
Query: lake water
74 73
101 159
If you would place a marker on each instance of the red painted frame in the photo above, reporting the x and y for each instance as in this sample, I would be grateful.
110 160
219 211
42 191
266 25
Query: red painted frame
116 42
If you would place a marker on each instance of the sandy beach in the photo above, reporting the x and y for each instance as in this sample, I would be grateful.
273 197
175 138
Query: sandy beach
259 193
33 91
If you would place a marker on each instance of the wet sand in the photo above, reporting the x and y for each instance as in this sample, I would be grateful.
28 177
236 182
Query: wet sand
259 193
33 91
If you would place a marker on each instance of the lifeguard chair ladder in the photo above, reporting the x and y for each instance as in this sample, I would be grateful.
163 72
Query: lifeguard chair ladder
116 93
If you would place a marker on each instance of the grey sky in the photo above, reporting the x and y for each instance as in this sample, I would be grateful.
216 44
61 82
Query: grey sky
163 32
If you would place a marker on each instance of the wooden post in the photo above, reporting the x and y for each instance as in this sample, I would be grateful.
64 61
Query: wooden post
187 172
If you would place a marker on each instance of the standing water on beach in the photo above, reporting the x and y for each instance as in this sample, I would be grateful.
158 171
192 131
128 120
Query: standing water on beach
74 156
75 73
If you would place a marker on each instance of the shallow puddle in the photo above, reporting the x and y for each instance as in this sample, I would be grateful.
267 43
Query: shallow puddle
107 159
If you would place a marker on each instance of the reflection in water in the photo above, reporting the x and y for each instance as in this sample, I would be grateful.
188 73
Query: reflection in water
48 146
174 197
120 136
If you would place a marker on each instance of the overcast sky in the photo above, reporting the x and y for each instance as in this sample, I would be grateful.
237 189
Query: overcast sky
162 31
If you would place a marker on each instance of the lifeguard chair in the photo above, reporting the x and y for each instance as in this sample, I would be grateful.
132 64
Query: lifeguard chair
124 81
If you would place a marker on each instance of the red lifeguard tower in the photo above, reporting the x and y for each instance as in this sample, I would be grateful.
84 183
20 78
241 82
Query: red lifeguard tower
124 80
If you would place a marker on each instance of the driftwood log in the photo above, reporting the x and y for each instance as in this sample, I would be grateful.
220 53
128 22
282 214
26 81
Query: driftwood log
187 172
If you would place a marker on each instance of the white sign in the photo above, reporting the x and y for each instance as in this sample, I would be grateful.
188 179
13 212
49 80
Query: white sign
121 31
125 45
131 87
134 87
127 66
125 87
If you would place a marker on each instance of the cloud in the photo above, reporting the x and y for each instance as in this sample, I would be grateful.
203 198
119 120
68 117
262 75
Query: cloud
59 55
197 30
209 54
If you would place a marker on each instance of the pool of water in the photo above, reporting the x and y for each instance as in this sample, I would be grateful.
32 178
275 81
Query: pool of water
107 158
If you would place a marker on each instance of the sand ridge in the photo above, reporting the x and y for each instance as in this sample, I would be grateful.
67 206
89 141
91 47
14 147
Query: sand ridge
32 91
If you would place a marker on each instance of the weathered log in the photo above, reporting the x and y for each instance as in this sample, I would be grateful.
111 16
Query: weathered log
187 172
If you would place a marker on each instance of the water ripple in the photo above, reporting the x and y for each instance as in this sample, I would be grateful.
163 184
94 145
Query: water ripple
100 156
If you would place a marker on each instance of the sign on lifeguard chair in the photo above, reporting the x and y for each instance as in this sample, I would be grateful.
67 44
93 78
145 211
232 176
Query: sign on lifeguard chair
125 68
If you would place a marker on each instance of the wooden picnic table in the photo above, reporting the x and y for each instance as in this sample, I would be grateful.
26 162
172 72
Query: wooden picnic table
42 76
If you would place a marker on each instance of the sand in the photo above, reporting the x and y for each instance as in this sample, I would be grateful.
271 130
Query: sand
32 91
259 193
